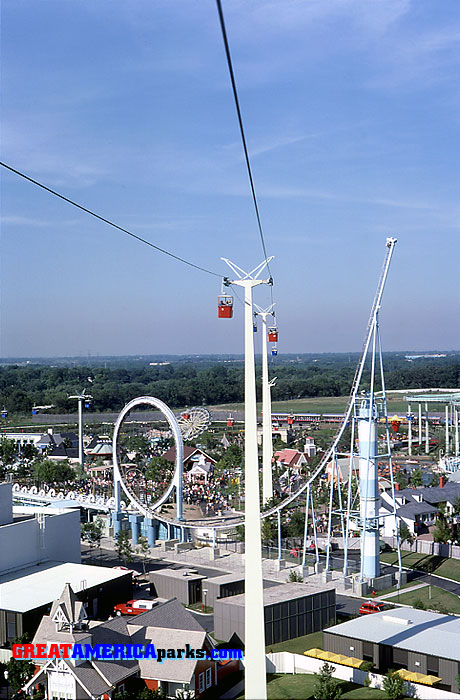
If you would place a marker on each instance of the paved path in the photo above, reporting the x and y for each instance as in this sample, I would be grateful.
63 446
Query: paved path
404 590
233 692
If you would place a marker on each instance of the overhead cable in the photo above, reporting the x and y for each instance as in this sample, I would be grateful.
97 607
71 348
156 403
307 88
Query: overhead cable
107 221
240 122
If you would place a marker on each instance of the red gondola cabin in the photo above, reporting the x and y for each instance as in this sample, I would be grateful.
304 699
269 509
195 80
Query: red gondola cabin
272 335
224 306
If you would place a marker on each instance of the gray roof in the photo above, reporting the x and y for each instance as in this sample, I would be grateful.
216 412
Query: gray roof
411 510
171 615
176 670
275 594
432 494
182 574
415 630
90 678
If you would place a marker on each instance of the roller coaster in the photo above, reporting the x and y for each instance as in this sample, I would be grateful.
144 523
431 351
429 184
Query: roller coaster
346 512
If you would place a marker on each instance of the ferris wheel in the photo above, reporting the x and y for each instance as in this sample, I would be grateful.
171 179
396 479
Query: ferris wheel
194 421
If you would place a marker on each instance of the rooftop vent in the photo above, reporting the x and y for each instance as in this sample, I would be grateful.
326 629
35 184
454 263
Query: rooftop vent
396 620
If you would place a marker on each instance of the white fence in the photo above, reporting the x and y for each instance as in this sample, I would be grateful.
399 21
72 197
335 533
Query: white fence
426 547
285 662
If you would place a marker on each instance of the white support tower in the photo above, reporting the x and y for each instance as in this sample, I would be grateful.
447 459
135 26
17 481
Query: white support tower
81 398
267 441
255 665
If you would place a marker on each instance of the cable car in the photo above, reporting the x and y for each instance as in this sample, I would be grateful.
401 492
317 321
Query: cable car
274 352
224 306
290 420
230 421
254 326
186 415
273 335
4 413
87 404
35 411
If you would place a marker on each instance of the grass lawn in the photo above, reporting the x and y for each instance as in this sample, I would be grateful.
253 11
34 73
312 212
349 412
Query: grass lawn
439 598
300 644
393 589
300 687
449 568
319 404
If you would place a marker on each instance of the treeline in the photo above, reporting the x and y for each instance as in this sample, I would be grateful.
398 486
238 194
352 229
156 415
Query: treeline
22 387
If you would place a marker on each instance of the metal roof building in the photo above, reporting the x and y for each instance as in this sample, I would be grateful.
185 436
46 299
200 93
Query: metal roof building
404 638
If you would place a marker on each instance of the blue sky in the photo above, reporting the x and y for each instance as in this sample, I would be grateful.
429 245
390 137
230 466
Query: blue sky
351 110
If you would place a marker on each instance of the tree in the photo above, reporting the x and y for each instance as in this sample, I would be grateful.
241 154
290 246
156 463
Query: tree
405 535
326 687
143 549
393 685
7 450
416 478
123 547
267 530
92 533
296 525
19 673
47 471
442 532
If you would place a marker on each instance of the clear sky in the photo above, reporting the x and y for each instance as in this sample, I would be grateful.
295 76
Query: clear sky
351 110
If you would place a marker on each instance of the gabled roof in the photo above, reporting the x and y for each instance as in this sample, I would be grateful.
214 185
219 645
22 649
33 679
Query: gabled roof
290 457
189 452
170 615
69 606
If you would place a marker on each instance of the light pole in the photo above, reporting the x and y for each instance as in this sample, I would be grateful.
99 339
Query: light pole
255 666
205 593
6 674
83 397
267 444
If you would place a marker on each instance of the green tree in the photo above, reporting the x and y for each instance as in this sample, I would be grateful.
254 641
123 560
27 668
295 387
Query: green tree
326 687
19 673
143 549
296 525
7 450
405 535
393 685
29 451
123 547
416 478
92 533
443 531
267 530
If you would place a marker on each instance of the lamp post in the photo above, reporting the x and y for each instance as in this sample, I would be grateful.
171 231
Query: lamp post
6 674
205 593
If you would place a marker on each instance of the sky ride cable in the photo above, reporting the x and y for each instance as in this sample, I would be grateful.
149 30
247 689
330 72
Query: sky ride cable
107 221
243 137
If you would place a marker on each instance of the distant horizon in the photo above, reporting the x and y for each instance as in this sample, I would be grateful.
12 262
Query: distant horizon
142 356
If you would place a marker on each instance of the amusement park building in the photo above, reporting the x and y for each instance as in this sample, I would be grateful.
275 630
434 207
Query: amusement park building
290 610
404 638
167 626
38 555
